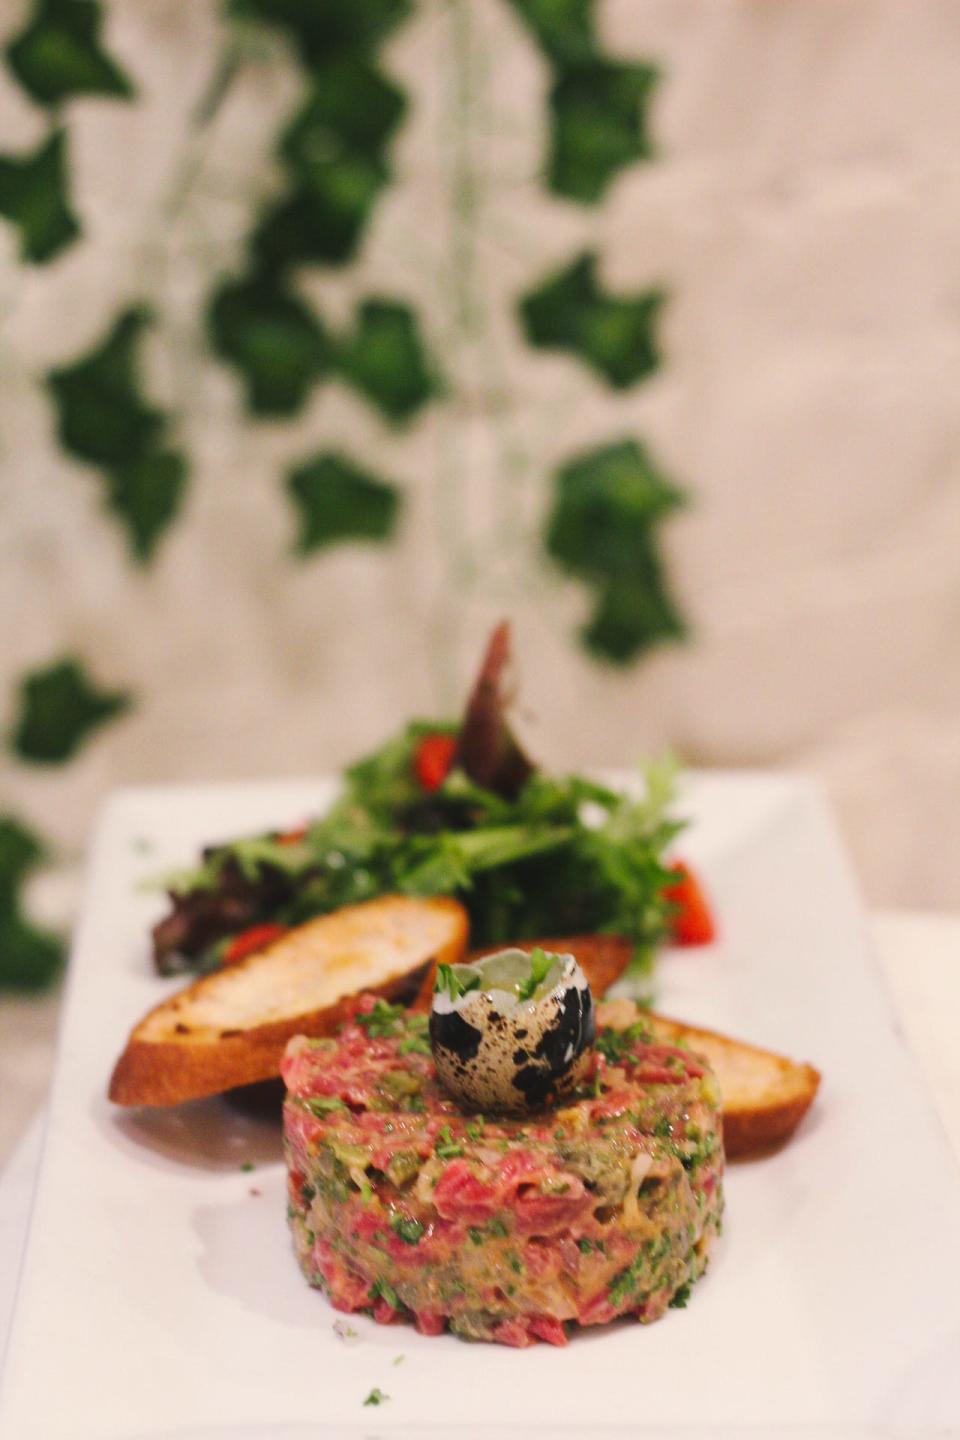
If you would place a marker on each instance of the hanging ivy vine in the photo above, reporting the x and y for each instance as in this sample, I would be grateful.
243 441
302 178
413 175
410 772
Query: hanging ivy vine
334 153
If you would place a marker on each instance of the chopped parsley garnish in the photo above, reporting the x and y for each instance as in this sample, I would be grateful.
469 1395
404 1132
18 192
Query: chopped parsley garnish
246 1167
383 1020
476 1235
382 1290
446 1147
455 985
323 1104
679 1301
376 1396
627 1279
584 1246
616 1045
414 1044
406 1228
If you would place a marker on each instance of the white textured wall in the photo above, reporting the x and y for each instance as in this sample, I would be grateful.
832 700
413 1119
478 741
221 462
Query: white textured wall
805 214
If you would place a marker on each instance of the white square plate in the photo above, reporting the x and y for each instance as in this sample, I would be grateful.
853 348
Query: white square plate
160 1298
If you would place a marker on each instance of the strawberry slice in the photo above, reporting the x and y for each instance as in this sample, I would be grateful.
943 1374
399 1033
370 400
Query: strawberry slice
258 937
692 921
432 760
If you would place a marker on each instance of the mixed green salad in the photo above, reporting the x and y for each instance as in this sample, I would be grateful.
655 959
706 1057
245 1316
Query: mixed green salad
443 809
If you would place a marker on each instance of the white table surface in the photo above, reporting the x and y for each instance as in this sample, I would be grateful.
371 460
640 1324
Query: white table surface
920 957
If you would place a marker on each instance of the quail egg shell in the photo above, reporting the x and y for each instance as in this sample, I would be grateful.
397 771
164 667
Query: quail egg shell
499 1048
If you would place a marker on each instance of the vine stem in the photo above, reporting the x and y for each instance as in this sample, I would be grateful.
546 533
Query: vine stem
476 369
451 475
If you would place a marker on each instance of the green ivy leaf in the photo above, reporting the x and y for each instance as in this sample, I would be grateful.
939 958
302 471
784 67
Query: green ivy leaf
59 54
322 28
614 334
634 615
145 495
29 958
563 29
322 223
278 346
337 501
101 416
386 361
33 194
58 708
598 126
103 419
351 108
602 529
333 151
20 852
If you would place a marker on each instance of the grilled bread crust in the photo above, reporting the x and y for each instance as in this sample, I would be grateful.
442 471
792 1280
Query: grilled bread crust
230 1028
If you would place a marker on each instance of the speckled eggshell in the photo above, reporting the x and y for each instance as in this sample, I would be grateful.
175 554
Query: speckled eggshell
514 1060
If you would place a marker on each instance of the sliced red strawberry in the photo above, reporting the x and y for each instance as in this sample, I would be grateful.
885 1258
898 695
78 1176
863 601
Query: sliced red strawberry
258 937
432 760
692 921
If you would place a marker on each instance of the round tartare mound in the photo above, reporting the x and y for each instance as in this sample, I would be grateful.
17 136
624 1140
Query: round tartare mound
507 1228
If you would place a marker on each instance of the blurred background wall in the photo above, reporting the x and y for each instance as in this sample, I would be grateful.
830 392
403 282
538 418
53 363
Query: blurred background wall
331 333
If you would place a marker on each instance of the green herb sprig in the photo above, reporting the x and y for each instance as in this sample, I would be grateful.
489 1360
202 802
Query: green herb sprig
540 963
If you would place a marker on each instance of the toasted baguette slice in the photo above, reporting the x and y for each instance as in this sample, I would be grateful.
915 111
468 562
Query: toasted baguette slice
603 959
765 1096
230 1028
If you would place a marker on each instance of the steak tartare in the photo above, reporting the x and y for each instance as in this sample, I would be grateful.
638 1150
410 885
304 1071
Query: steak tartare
504 1229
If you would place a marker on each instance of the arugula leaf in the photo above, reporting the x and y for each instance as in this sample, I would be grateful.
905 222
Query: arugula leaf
59 707
34 195
613 334
554 855
338 501
59 55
